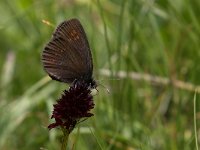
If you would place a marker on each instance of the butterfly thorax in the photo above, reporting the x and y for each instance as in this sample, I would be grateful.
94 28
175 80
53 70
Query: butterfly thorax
90 83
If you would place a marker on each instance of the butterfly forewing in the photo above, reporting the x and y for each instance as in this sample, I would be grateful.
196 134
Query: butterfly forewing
67 56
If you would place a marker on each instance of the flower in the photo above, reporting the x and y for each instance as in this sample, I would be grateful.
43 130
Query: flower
73 106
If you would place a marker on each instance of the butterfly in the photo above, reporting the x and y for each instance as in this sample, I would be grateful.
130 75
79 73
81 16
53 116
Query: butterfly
67 56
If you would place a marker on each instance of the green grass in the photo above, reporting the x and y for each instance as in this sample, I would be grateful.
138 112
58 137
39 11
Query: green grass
158 38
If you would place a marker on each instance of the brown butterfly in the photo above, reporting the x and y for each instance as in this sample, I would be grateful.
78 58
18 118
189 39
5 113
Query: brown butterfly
67 57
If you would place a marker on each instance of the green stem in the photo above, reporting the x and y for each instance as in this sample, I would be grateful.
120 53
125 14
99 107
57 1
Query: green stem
64 139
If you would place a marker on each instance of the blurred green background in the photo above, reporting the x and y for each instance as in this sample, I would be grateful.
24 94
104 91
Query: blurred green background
157 38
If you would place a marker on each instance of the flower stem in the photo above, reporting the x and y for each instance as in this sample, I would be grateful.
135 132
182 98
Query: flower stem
64 139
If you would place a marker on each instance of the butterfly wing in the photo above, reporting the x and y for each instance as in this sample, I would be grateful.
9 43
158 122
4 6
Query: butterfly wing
67 56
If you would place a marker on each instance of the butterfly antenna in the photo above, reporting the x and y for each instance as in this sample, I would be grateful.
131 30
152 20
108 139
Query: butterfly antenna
108 91
109 79
104 86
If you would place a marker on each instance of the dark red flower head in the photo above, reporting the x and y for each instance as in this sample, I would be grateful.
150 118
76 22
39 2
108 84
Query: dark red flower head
74 105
